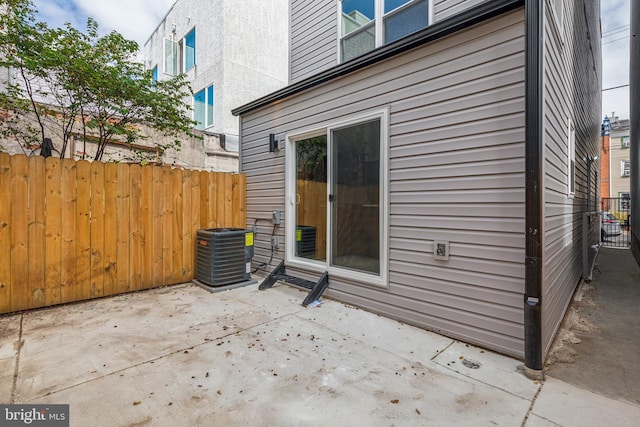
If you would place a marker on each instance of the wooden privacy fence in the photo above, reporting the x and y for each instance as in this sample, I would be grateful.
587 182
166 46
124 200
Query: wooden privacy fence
74 230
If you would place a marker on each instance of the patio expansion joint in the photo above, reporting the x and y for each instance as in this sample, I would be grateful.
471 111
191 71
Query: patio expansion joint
19 345
533 402
439 352
481 381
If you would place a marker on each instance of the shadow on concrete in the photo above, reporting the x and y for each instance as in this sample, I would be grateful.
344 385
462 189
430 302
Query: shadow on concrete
598 345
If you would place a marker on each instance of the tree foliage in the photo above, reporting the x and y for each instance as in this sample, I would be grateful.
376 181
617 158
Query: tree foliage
76 82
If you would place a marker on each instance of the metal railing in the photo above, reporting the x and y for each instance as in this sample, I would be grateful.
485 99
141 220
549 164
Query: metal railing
615 225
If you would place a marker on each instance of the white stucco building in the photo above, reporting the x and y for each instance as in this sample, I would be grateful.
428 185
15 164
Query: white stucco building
232 52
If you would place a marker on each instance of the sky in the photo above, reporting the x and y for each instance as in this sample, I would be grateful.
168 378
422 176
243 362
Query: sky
615 57
134 19
137 19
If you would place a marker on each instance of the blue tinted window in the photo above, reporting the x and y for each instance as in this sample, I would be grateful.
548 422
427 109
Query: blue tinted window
364 7
210 105
406 21
190 50
389 5
203 102
154 74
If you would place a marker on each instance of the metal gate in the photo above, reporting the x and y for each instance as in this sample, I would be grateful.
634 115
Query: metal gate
615 224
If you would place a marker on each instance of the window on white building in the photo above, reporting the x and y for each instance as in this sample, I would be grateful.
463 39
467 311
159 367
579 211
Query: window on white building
624 142
203 102
625 168
367 24
170 57
189 47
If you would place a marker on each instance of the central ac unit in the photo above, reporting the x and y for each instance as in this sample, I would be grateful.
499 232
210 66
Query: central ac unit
223 256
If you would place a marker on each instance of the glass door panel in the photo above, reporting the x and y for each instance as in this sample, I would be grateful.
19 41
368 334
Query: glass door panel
355 197
311 198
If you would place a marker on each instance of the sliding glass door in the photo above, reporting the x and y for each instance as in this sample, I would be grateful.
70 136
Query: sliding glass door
338 198
355 197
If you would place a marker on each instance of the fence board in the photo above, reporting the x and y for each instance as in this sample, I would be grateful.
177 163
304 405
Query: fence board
110 226
122 215
185 232
204 200
147 228
68 284
36 232
176 225
195 202
20 233
157 226
5 233
83 248
97 228
135 227
236 202
53 230
74 230
227 196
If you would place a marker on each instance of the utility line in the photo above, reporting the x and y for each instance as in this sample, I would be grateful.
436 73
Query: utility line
614 33
616 29
615 87
616 40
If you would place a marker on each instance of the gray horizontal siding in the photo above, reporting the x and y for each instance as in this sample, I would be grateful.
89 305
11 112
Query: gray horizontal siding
446 8
570 91
314 37
456 159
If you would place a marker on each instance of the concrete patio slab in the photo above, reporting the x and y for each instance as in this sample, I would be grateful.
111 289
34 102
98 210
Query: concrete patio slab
9 342
183 356
565 405
292 371
488 367
107 335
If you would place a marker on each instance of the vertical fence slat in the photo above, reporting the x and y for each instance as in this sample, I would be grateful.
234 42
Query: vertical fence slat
177 222
68 288
186 231
167 224
110 226
227 197
196 208
157 225
83 174
196 222
147 227
242 204
19 233
5 232
122 215
235 201
53 230
214 213
135 219
204 199
97 228
36 232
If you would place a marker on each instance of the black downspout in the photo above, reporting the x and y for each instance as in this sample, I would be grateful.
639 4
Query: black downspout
533 206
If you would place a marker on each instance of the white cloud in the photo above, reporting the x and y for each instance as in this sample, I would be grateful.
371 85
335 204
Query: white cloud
134 19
